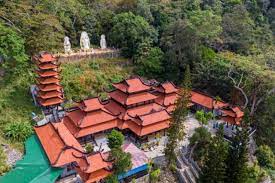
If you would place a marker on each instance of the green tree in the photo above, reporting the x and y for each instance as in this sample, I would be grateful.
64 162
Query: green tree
214 5
115 139
211 74
12 49
129 31
181 46
265 133
205 24
200 141
143 9
265 156
203 117
150 63
237 169
214 169
122 161
176 130
238 33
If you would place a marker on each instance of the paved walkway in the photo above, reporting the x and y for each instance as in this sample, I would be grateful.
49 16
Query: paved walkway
158 150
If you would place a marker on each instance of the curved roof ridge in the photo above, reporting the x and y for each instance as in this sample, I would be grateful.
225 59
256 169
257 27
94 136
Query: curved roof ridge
152 112
81 121
108 112
66 145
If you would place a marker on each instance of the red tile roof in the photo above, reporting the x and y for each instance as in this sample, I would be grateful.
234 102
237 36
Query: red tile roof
167 87
95 162
98 175
91 104
202 99
154 117
123 98
49 90
45 57
49 87
48 80
45 66
219 104
132 85
50 94
167 99
58 143
96 128
83 131
142 110
239 113
47 73
154 128
95 116
83 119
50 101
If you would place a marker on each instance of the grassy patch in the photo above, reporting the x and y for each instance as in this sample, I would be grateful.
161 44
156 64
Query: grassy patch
15 100
91 78
80 80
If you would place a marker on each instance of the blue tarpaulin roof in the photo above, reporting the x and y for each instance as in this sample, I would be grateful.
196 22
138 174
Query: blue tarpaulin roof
133 171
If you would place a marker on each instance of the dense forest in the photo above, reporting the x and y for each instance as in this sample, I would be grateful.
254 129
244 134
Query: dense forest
229 45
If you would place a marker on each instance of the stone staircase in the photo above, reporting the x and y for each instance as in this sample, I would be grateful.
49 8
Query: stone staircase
187 169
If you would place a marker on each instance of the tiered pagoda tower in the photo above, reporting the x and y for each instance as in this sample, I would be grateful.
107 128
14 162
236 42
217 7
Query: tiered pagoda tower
49 90
138 110
167 95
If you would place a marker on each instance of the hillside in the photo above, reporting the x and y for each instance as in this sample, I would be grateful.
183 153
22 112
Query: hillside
226 47
83 79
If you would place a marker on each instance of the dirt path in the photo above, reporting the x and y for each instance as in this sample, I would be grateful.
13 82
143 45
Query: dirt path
12 154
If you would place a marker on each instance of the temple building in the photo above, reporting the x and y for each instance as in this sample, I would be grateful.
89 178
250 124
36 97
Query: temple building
49 90
221 110
140 109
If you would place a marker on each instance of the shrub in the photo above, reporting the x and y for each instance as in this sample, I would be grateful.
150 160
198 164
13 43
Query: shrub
265 156
89 148
18 131
203 117
154 175
255 172
111 179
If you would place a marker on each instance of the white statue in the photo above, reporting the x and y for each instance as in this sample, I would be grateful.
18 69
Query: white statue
67 45
84 41
103 43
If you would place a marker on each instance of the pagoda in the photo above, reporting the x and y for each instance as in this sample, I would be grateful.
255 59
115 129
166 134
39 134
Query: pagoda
167 94
49 90
89 117
135 103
